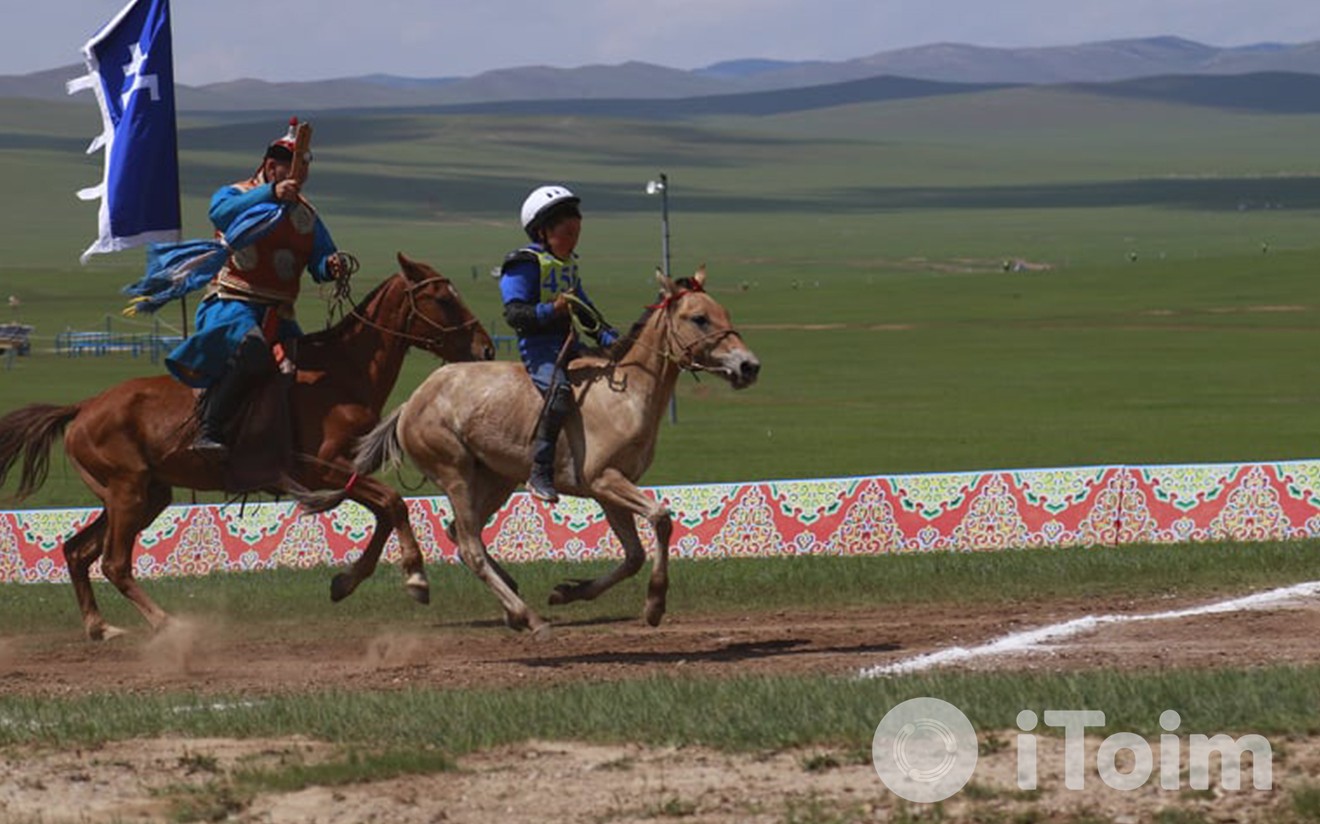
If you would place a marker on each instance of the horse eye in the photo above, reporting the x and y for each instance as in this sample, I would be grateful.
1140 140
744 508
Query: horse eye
701 320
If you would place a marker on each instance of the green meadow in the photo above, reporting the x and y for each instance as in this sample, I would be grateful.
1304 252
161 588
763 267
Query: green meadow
1163 311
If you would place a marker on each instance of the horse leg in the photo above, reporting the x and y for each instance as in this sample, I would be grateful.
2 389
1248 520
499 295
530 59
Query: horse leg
468 521
621 499
657 588
80 551
128 513
411 559
391 514
493 496
634 555
492 490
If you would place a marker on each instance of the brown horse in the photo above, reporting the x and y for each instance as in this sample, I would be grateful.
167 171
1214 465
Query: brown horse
131 443
467 427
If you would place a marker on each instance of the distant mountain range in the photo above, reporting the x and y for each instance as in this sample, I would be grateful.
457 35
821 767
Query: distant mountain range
939 68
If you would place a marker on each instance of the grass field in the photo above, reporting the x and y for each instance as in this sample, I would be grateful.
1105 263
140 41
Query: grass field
719 586
1170 325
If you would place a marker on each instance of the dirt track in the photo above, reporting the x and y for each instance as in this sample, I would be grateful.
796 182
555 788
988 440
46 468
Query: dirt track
576 782
195 655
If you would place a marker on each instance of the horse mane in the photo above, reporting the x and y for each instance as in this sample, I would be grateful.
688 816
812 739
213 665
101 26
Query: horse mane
313 343
620 348
624 344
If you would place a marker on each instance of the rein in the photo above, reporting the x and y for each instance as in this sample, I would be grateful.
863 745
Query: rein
586 317
413 311
341 292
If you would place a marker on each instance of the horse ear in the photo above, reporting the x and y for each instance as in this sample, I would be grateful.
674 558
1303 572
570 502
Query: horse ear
666 285
407 265
699 277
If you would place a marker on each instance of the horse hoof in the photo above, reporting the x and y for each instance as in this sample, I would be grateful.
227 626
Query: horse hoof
569 591
527 621
105 632
340 587
655 611
543 633
418 588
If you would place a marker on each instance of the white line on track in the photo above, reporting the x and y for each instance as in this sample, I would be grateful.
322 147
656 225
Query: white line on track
1034 638
220 707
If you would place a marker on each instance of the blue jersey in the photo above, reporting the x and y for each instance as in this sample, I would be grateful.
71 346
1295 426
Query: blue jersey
532 277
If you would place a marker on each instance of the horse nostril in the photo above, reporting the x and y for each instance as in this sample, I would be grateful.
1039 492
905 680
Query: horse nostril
750 369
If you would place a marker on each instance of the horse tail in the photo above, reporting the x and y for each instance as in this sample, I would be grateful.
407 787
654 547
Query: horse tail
28 433
378 448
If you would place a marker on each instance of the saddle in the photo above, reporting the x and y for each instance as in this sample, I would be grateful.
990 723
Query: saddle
261 448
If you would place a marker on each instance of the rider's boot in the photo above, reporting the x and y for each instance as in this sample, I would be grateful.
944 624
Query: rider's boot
223 401
541 484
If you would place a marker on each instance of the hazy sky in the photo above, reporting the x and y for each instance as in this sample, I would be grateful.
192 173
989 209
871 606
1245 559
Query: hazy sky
310 39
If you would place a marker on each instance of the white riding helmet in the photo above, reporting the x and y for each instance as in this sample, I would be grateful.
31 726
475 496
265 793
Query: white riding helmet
540 200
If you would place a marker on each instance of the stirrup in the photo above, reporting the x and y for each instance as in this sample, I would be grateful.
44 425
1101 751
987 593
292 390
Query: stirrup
206 445
541 487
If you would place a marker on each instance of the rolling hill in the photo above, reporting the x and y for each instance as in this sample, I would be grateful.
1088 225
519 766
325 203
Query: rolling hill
1103 62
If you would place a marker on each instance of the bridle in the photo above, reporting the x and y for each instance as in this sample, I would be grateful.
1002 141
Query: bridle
413 312
686 358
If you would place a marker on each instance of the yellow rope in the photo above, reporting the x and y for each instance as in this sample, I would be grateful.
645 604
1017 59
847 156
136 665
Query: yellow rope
586 317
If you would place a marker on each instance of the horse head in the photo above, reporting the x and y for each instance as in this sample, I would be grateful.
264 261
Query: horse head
438 320
701 333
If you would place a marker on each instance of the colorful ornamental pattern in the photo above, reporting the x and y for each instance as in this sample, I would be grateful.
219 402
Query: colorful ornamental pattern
966 511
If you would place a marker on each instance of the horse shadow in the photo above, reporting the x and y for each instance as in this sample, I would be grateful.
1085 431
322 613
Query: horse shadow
733 652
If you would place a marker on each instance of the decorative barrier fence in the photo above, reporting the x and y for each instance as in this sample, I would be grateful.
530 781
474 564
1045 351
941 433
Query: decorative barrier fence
971 511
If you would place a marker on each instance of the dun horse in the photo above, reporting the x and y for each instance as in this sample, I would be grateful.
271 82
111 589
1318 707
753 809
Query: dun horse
131 443
467 427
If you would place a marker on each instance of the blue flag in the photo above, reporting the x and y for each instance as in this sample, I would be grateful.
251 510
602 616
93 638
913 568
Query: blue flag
130 66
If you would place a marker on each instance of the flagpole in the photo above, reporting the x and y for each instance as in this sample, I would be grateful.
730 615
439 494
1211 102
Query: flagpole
178 189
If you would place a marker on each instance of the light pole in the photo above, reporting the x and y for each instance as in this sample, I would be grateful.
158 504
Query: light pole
661 187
